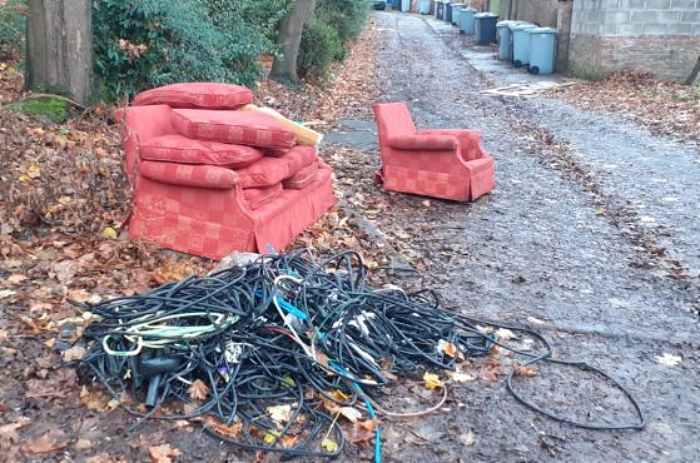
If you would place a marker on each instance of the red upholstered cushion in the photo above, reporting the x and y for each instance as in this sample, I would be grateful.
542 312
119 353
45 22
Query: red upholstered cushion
210 177
183 150
423 142
299 157
303 178
258 197
204 95
237 127
262 173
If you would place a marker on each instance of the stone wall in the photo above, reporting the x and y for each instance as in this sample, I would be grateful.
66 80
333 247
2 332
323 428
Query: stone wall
545 13
658 36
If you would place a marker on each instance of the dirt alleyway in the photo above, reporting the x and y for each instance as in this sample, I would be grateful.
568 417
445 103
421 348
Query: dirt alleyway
560 241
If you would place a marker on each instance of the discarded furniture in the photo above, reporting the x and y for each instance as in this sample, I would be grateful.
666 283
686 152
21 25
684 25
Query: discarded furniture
444 163
210 179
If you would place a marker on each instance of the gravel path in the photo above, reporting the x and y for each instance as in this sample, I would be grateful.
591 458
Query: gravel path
589 237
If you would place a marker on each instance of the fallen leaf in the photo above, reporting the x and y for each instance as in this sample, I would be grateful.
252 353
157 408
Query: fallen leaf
535 321
280 413
527 372
74 353
50 442
110 233
350 413
163 453
329 445
668 359
271 436
432 381
505 334
447 347
467 438
369 425
16 278
459 377
198 391
5 293
490 370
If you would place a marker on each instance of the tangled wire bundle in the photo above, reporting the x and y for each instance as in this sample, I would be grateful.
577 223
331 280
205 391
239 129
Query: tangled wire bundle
267 354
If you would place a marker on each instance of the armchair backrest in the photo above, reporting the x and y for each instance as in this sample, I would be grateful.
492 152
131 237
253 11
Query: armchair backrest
392 119
138 124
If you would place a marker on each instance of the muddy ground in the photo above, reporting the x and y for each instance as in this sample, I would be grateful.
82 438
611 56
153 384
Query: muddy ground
588 238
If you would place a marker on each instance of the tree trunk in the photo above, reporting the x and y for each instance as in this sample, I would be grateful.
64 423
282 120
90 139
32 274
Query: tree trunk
59 48
284 68
693 74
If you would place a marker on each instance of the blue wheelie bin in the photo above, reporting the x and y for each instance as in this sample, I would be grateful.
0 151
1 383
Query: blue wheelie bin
485 28
424 7
503 36
456 12
448 12
521 44
543 50
466 20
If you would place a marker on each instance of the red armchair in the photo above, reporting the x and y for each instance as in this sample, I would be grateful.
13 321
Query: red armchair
443 163
209 198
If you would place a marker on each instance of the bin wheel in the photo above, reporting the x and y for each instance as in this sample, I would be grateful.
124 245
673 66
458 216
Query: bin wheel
534 70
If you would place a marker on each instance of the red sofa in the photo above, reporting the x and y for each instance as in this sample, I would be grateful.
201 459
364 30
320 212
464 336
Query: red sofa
211 181
442 163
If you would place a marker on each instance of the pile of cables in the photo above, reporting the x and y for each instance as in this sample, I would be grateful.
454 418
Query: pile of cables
265 354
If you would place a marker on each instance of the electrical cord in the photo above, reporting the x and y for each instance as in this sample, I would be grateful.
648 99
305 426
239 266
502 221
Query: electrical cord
258 353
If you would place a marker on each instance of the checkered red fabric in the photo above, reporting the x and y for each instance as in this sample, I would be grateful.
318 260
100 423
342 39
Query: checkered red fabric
299 157
258 197
448 164
237 127
423 142
262 173
302 178
180 149
214 177
203 95
202 209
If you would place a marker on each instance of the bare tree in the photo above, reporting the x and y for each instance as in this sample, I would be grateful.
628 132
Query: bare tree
59 48
284 67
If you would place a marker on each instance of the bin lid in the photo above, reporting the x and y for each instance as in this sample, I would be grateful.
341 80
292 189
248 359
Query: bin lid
506 23
486 15
522 27
543 30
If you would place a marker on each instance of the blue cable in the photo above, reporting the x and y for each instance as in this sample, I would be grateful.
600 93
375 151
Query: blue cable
370 410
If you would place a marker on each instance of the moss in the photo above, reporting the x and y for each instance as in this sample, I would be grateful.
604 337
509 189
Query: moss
55 109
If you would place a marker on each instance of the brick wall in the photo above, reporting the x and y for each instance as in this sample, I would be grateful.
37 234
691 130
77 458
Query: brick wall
658 36
545 13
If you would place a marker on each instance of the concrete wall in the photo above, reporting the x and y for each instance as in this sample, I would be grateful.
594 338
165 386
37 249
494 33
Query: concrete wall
545 13
658 36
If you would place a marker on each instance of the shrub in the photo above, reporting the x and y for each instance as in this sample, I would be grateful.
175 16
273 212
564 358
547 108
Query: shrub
320 45
334 23
347 17
140 44
12 25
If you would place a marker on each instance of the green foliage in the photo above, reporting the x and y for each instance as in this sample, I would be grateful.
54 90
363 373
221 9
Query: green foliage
320 45
55 109
347 17
141 44
334 23
12 25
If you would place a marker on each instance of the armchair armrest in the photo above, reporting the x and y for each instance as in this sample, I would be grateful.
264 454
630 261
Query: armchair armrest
423 142
469 141
211 177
